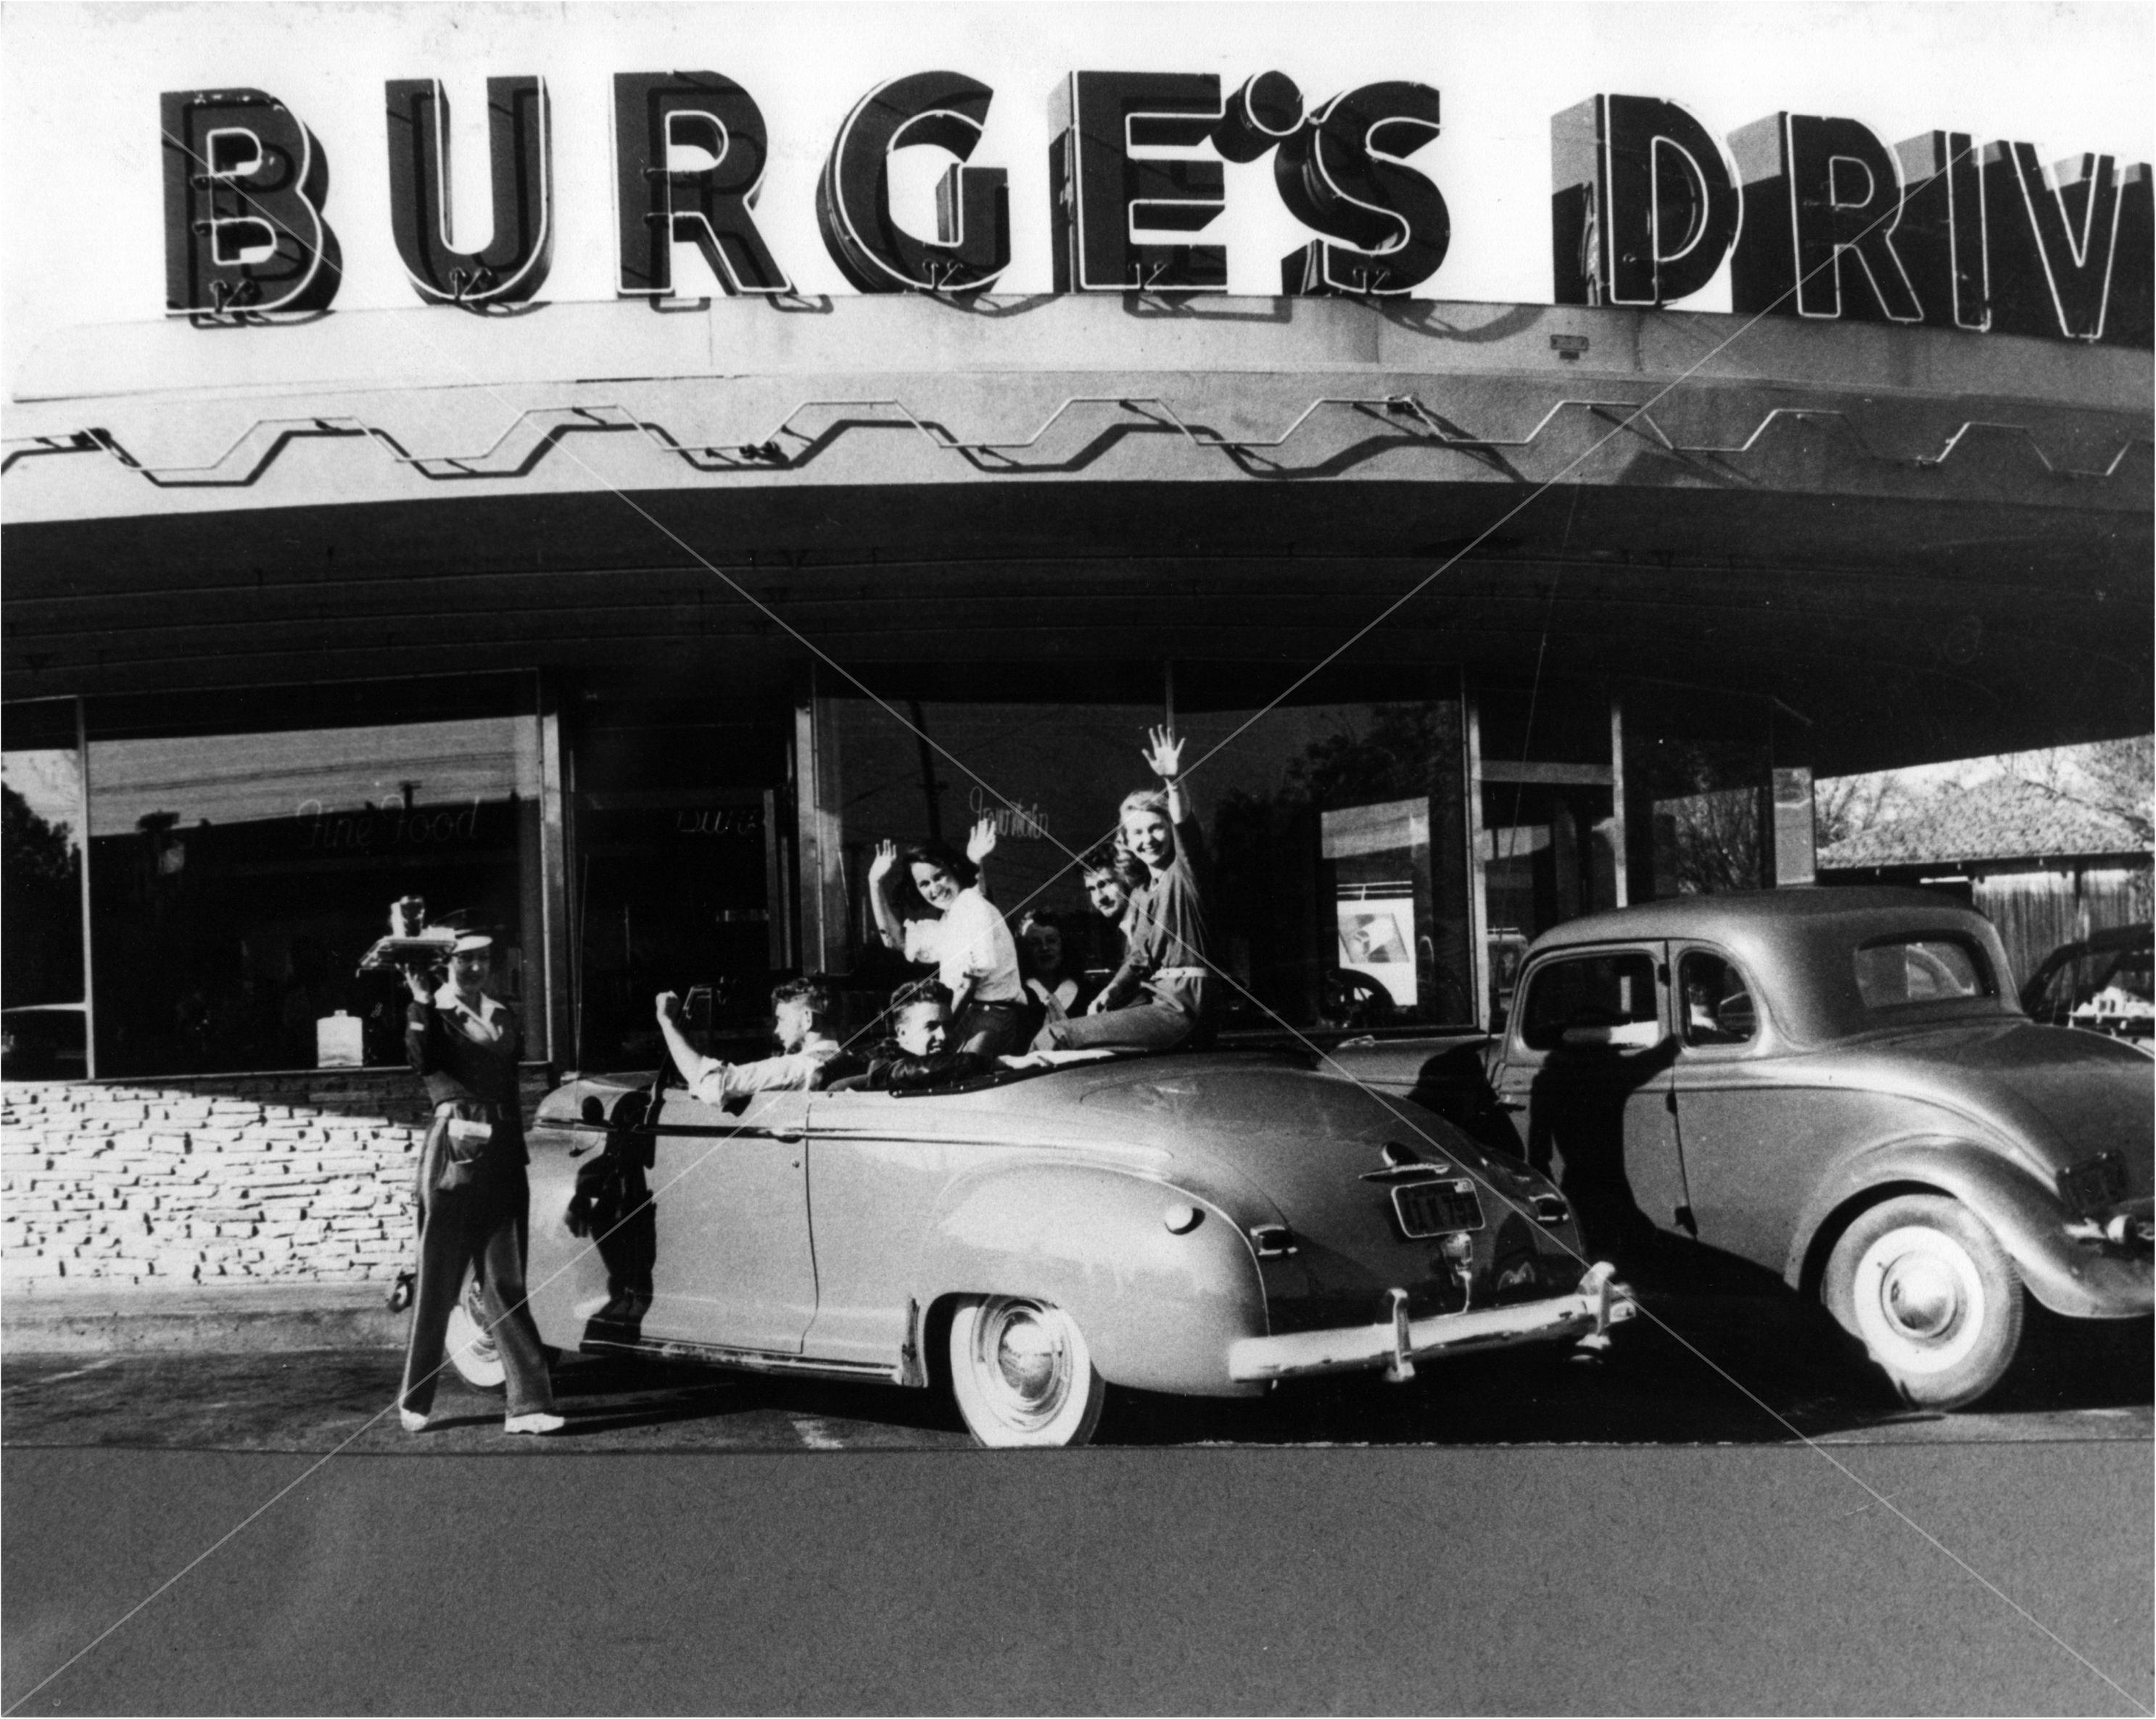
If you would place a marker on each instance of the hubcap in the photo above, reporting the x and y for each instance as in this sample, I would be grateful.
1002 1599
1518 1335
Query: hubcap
1028 1366
1921 1296
1919 1299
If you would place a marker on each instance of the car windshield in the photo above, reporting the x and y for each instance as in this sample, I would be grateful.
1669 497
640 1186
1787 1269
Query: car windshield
1901 971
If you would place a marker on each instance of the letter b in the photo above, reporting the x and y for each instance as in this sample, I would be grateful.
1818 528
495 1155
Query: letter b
244 186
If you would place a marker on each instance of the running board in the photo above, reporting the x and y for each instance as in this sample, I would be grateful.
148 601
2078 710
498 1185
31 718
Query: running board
748 1360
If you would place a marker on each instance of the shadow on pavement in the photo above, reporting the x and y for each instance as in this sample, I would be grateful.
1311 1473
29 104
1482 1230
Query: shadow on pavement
1734 1367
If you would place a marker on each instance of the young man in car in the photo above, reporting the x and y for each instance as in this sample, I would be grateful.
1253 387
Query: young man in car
918 1056
803 1012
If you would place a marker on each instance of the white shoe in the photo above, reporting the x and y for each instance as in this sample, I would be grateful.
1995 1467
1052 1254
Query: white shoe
537 1422
414 1422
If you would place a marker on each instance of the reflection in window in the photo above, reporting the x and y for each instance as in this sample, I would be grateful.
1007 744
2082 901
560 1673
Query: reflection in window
1897 972
41 971
1717 1004
236 879
1593 1002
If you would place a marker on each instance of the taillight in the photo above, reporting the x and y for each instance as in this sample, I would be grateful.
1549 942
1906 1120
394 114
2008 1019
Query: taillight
2094 1183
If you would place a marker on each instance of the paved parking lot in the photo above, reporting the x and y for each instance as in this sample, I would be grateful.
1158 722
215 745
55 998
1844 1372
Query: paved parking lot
1702 1370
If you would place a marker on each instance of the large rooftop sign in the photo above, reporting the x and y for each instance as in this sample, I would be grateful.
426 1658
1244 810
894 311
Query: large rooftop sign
1817 217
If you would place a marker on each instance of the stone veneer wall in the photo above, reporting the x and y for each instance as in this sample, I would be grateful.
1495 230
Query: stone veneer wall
209 1180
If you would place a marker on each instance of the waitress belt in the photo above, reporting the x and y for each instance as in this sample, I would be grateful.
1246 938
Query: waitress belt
467 1136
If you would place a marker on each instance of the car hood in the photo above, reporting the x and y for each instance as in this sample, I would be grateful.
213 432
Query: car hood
2059 1095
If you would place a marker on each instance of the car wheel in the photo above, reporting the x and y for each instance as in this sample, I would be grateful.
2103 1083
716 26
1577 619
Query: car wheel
1928 1290
1022 1374
472 1351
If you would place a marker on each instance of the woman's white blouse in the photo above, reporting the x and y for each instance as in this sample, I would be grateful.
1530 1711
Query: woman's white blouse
970 941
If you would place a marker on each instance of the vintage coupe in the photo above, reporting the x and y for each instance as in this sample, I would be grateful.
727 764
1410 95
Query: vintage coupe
1204 1223
1838 1084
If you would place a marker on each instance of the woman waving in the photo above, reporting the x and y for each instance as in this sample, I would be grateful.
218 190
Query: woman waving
1163 993
959 933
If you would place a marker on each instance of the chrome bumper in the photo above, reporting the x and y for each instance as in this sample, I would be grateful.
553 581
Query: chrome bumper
1397 1343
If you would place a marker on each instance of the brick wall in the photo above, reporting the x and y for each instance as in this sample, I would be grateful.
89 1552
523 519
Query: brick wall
212 1180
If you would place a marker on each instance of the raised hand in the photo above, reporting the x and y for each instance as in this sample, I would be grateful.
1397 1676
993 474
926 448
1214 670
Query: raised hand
981 842
1165 754
667 1005
886 856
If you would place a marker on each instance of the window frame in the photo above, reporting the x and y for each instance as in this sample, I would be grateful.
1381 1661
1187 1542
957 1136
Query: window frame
1762 1030
1992 988
1655 953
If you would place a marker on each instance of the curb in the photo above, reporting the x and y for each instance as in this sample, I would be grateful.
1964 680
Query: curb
259 1319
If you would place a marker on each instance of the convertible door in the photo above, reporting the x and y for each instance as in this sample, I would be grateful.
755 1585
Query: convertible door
731 1191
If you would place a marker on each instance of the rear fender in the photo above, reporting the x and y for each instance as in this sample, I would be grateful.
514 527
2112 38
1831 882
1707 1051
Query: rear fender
1158 1310
2069 1278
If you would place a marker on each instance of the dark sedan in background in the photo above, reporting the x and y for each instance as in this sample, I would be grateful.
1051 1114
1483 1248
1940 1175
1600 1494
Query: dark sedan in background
1839 1085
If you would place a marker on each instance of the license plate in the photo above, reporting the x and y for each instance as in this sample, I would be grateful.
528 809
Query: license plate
1437 1207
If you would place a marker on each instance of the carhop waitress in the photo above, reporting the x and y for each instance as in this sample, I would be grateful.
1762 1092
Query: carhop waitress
473 1195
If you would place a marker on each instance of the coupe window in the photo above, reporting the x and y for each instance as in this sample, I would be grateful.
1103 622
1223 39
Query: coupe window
1897 972
1717 1004
1592 1000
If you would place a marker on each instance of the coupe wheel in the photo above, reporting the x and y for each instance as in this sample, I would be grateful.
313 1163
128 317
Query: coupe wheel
1932 1294
472 1351
1022 1375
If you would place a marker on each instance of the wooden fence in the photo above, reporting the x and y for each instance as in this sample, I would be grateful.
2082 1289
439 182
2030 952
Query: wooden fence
2035 911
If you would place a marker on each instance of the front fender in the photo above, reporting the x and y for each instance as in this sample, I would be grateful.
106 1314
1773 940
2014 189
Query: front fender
2069 1278
1158 1310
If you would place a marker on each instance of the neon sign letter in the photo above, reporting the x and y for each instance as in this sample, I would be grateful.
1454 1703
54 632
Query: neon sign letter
2057 232
244 185
513 266
1644 207
1942 238
2130 319
656 205
972 204
1822 195
1104 194
1342 174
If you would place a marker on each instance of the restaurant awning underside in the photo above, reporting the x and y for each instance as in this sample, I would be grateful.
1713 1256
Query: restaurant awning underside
1922 544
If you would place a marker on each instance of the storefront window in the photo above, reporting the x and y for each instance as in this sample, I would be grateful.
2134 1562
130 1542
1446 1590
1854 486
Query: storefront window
683 850
1049 776
236 879
1339 845
1336 834
1550 840
41 970
1695 770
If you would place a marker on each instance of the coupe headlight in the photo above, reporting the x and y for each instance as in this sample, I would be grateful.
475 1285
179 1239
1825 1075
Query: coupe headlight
2094 1183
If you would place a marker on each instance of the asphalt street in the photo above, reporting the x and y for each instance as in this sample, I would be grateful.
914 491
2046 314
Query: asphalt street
1723 1516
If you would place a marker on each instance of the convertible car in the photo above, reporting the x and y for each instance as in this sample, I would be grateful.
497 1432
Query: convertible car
1837 1085
1203 1223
